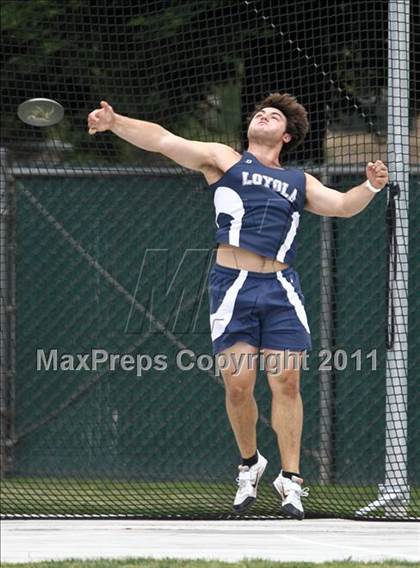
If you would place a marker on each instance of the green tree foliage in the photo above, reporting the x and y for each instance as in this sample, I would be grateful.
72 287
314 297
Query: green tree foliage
197 67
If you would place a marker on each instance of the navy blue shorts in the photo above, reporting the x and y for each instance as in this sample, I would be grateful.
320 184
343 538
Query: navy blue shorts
265 310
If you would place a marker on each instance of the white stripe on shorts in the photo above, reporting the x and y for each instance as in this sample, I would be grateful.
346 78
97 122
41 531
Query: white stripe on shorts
221 318
294 299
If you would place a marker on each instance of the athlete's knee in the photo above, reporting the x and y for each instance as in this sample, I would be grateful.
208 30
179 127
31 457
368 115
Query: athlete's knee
286 384
238 393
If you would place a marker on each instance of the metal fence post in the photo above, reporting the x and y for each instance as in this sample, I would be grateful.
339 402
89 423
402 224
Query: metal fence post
396 484
326 329
7 327
394 493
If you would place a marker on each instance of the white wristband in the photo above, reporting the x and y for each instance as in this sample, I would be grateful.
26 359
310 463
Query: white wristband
371 187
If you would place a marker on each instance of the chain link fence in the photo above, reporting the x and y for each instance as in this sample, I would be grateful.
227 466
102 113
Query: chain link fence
111 401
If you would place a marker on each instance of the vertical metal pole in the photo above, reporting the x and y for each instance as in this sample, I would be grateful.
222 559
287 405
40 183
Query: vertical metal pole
326 402
394 493
7 316
399 167
12 207
4 303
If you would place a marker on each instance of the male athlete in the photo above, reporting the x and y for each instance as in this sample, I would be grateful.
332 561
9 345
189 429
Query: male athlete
256 303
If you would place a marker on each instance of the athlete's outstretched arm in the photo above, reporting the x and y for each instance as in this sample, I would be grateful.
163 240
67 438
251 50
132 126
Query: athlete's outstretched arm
323 200
154 138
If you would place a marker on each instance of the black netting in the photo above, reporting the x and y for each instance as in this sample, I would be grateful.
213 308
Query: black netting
107 247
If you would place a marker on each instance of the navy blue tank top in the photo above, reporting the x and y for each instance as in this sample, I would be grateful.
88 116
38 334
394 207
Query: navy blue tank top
258 208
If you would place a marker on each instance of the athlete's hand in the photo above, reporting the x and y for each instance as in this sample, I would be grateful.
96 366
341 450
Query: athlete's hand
377 174
101 119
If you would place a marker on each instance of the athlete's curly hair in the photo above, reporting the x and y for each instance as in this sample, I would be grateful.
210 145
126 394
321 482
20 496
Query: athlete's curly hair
295 113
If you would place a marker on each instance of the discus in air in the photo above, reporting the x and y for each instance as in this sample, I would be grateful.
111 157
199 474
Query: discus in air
40 112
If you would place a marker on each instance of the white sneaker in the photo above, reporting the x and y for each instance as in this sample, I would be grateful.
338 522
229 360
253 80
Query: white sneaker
290 491
247 481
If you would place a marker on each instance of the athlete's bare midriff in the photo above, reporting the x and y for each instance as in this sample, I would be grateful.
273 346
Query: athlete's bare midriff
242 259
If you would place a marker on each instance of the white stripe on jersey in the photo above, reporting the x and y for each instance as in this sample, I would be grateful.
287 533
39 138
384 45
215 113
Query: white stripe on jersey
221 318
290 237
228 201
294 299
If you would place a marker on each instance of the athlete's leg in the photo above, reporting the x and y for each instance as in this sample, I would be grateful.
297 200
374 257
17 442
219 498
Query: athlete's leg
235 329
239 370
283 373
240 365
285 323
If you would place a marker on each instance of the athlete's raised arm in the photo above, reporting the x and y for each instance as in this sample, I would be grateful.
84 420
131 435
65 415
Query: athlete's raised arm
323 200
154 138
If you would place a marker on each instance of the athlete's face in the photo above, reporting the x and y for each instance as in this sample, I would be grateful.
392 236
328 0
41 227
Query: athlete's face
268 126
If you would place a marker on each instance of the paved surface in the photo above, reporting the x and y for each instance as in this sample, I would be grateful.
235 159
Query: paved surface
310 540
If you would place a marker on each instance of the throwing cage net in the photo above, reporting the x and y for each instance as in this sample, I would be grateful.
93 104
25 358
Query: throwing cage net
105 250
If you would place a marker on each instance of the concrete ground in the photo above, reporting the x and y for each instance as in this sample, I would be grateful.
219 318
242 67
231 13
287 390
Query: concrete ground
286 540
